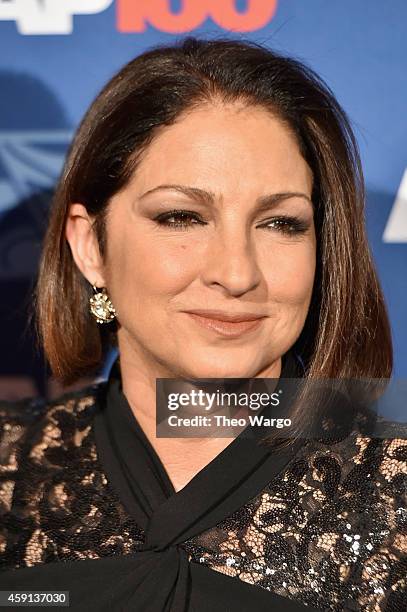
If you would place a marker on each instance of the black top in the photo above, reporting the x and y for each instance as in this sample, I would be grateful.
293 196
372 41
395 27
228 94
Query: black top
88 508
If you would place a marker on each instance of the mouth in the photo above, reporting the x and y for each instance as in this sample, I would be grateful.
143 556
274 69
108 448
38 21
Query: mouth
226 327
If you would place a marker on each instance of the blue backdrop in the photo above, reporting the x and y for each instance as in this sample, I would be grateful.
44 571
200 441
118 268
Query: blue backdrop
57 54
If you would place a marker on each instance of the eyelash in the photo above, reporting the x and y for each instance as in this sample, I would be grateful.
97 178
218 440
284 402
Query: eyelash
289 222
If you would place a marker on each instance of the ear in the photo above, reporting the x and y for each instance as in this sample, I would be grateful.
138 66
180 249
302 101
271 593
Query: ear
84 245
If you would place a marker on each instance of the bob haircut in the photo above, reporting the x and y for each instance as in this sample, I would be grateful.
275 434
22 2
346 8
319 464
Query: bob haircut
347 331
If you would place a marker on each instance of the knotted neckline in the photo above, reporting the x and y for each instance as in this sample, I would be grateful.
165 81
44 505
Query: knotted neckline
160 578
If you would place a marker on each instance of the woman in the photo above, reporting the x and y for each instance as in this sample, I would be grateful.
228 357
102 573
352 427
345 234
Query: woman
209 180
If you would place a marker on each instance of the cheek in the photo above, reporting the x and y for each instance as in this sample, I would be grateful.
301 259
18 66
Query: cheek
290 276
151 267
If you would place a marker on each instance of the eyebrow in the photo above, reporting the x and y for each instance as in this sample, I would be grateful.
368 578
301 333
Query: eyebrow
264 202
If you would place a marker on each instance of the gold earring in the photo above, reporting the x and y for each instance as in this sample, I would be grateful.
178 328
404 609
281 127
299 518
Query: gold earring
101 307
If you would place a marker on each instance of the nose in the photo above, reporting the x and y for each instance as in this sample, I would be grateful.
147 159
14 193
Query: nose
231 261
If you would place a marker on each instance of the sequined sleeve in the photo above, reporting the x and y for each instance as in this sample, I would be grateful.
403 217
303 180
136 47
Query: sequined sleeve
329 532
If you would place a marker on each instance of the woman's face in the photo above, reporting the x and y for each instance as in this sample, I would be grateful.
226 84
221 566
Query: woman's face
224 254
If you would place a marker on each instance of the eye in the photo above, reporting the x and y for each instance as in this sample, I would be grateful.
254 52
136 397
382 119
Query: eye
181 217
287 225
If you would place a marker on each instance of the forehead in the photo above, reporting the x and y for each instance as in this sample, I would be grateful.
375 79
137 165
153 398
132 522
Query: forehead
230 147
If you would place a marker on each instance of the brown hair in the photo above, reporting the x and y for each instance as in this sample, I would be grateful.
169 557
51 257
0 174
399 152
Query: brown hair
347 331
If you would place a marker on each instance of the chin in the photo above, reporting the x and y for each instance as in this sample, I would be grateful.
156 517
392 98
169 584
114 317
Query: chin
221 371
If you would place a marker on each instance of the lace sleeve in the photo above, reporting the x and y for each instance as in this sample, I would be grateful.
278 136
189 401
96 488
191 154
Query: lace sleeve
55 501
15 420
330 532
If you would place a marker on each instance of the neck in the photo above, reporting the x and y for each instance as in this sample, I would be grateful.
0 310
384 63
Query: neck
139 373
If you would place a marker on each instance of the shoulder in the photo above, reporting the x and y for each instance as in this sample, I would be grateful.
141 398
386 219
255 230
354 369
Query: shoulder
30 428
364 462
385 451
31 408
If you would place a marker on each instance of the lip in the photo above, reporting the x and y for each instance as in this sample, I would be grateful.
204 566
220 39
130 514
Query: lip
220 315
231 329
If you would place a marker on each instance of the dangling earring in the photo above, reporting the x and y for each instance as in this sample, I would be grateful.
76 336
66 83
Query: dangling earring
101 307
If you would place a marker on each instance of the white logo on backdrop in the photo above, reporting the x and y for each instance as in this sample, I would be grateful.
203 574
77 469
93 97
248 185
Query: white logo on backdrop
31 161
48 16
396 227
